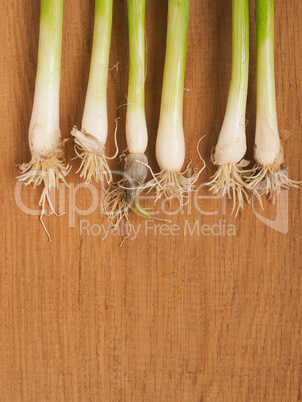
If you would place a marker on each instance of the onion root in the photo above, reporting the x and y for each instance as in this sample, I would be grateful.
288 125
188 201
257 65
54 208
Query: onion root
91 151
228 180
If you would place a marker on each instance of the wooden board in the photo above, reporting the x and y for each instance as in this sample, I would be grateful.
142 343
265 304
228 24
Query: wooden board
208 316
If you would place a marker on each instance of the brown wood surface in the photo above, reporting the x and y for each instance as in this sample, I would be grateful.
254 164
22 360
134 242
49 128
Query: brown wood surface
163 318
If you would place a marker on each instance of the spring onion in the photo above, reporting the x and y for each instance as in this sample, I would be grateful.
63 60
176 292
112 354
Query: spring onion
121 195
90 141
269 176
231 145
170 142
46 166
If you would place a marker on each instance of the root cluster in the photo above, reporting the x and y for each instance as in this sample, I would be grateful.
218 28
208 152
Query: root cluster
117 203
174 184
91 151
228 180
270 181
47 171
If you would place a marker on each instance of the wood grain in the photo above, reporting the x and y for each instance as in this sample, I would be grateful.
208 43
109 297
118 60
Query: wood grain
163 318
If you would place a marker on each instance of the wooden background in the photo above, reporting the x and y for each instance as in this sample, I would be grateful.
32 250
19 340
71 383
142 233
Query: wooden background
163 318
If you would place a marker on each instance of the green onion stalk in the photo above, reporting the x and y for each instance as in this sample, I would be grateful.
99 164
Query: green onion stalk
231 146
47 166
269 176
90 140
120 198
170 143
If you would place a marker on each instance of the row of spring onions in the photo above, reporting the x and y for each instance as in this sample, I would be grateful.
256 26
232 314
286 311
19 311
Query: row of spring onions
47 166
268 176
170 143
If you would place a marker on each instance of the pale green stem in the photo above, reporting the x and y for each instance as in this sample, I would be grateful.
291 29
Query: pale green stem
175 60
95 120
45 114
170 142
267 136
240 58
136 127
137 54
231 145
